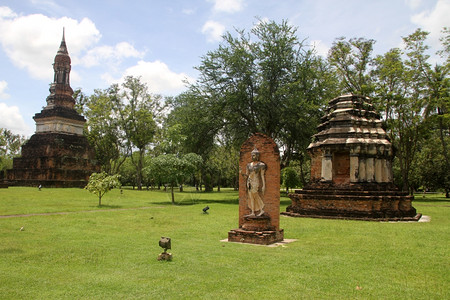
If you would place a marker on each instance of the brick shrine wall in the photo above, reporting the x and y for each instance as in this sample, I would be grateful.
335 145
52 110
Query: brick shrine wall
316 164
270 155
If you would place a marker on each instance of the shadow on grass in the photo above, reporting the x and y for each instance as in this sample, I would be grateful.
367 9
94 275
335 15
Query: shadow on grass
194 201
284 201
430 198
106 206
194 198
11 251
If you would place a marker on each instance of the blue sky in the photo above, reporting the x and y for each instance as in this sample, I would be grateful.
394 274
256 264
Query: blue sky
162 41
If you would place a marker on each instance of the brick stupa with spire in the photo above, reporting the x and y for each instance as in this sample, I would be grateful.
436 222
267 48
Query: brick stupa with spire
58 154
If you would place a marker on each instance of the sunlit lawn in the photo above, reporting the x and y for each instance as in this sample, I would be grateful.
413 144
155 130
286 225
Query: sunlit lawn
110 252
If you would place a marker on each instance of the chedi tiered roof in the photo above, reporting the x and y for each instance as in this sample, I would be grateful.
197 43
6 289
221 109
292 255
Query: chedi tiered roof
350 121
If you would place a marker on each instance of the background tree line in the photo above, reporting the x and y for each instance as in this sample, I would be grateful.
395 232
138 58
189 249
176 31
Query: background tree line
10 144
269 80
413 98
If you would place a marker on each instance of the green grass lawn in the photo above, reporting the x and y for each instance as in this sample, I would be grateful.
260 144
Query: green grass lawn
110 252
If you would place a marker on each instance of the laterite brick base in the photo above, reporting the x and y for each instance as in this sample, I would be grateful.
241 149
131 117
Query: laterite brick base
53 160
255 237
358 202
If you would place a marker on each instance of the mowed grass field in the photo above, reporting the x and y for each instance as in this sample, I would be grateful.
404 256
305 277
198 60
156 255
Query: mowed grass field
110 252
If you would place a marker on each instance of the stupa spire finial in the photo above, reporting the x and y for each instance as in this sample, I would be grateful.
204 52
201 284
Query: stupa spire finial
63 48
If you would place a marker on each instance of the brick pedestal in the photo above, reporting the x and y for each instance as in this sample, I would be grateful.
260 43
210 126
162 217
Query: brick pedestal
253 223
265 237
376 202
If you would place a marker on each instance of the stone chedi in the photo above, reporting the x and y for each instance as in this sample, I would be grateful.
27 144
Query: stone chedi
58 154
351 168
259 193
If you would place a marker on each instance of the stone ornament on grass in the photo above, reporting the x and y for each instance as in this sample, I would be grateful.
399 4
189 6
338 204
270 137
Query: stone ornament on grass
165 243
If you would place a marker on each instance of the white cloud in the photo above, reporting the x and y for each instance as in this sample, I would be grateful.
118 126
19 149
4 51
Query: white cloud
320 48
10 118
6 12
158 77
3 87
31 41
214 31
228 6
433 21
99 55
413 4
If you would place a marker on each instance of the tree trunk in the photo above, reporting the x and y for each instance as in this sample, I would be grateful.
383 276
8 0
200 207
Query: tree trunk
218 183
403 172
139 169
195 183
207 181
405 186
99 200
442 138
173 196
208 186
302 175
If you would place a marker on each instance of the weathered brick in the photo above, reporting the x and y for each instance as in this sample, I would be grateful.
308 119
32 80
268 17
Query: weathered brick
269 223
